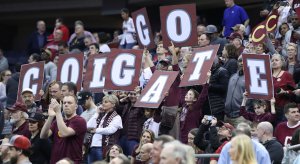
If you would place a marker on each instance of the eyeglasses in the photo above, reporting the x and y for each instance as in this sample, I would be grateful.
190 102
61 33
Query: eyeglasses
7 75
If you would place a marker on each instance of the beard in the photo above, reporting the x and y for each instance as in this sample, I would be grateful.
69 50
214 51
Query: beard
14 160
12 121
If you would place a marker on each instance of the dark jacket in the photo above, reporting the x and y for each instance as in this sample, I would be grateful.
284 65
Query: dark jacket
217 91
40 149
1 119
33 44
12 89
193 116
231 66
209 145
275 150
132 120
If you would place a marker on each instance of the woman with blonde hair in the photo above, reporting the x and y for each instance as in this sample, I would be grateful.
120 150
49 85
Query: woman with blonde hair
146 137
104 128
241 150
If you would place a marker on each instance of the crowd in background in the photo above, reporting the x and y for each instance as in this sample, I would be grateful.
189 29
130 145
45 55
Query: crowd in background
69 125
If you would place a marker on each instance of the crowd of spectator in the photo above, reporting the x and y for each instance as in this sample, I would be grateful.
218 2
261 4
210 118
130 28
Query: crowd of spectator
70 125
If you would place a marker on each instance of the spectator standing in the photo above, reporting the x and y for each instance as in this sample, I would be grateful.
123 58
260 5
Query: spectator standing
201 29
233 15
104 128
50 69
28 100
4 148
19 149
234 98
34 58
265 136
113 152
85 99
18 116
241 150
147 136
3 61
158 146
12 86
128 39
261 154
285 130
67 134
53 45
176 153
230 56
282 81
215 39
59 25
41 148
37 39
4 76
76 40
70 89
103 39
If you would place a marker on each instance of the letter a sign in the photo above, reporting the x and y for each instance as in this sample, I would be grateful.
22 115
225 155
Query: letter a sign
155 90
258 76
199 65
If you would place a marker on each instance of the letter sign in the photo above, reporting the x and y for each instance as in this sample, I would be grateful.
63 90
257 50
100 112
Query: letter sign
154 92
258 76
123 69
31 76
178 24
199 65
69 69
94 79
143 28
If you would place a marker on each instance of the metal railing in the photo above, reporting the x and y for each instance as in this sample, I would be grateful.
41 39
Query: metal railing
207 155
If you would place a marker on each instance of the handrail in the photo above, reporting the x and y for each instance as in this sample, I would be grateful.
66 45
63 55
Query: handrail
294 147
207 155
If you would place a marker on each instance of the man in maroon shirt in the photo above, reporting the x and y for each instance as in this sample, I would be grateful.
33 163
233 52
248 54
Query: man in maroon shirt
285 130
18 118
68 133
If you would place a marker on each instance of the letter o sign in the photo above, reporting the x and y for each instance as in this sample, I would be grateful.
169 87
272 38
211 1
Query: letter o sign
182 32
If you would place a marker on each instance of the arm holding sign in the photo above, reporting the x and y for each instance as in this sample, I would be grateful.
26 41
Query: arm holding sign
173 51
148 61
243 112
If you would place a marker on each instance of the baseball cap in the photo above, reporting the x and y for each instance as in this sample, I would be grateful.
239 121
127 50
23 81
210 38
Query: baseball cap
235 35
19 141
210 29
227 126
36 117
18 106
27 90
164 61
83 96
238 26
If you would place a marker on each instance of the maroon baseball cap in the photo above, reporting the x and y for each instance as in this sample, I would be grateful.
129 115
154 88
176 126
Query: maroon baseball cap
227 126
235 35
18 106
